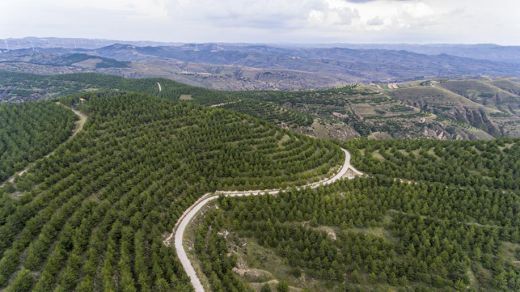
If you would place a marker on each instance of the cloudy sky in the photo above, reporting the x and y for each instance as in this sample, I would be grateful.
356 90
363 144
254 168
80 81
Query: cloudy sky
267 21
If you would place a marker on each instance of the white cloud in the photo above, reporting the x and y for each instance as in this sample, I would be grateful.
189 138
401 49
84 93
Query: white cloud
266 20
330 18
376 21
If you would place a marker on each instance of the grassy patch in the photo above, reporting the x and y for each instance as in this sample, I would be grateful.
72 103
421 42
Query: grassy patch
185 97
257 257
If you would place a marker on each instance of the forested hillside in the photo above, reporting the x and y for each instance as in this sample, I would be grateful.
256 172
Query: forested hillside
29 131
18 86
491 164
421 109
270 112
92 216
429 215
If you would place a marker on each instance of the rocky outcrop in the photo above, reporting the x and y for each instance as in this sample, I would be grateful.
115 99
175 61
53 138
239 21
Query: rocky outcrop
477 118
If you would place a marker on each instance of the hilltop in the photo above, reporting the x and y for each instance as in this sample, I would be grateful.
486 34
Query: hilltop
482 108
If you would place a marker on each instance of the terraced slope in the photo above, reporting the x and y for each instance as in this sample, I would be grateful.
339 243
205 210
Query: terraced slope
494 164
430 216
271 112
30 131
346 171
21 86
421 96
482 92
92 217
455 110
411 110
510 85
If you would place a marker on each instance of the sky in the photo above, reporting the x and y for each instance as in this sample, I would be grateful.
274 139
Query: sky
267 21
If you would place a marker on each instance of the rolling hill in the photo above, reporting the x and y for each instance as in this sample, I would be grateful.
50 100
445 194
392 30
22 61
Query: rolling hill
29 131
93 209
413 109
485 93
260 67
92 215
428 216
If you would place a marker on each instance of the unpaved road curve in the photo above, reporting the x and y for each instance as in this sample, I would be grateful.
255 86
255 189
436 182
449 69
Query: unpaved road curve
190 213
224 103
82 119
80 123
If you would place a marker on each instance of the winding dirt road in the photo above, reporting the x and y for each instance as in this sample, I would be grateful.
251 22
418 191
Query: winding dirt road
225 103
82 119
190 213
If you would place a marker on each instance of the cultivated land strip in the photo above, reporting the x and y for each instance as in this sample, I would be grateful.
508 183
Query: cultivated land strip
347 170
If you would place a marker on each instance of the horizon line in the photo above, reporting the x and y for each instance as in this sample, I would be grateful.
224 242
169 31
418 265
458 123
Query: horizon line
263 43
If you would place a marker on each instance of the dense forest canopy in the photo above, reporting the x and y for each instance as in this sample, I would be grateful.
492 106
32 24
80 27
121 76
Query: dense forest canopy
64 84
429 215
92 215
491 164
29 131
410 110
52 86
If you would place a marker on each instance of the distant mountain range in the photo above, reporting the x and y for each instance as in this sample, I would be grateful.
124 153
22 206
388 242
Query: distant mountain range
69 43
247 66
490 52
